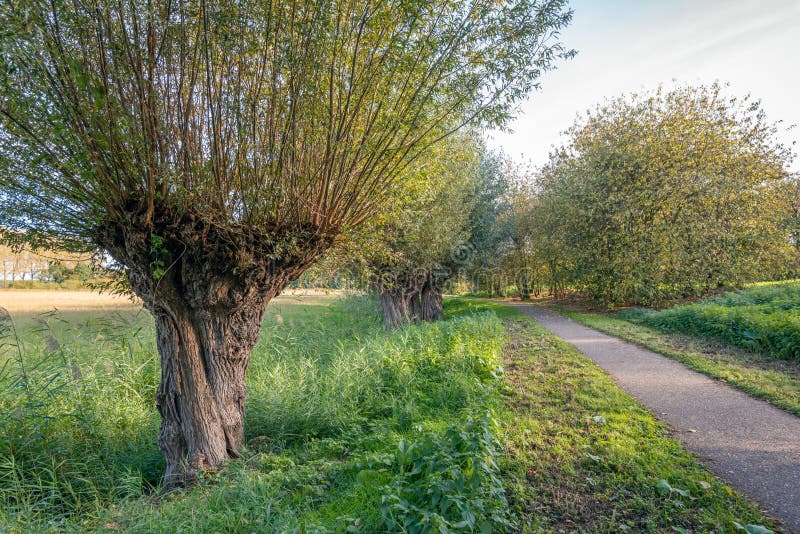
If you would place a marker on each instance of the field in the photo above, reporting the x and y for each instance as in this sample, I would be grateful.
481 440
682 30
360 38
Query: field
24 305
479 423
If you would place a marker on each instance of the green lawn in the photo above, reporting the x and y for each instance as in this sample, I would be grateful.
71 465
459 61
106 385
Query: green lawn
584 456
349 428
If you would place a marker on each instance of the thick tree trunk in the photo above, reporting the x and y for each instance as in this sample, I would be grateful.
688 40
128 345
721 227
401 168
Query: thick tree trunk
204 358
206 283
394 303
525 293
412 297
426 304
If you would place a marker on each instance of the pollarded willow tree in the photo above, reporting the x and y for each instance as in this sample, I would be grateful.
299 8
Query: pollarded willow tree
408 255
217 149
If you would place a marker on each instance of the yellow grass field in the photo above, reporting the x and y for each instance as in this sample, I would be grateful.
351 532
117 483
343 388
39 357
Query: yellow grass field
22 302
25 304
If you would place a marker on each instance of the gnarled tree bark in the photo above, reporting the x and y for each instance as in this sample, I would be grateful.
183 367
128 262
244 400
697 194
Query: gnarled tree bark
394 304
204 357
207 288
426 303
411 297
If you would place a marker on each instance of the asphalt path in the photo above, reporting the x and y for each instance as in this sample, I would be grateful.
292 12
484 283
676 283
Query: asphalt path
747 442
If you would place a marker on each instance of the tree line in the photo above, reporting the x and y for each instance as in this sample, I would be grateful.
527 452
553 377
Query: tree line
218 152
662 195
18 265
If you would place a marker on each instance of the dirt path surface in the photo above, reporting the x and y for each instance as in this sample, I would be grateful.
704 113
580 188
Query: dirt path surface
752 445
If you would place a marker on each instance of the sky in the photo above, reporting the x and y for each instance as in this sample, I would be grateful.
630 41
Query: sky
626 46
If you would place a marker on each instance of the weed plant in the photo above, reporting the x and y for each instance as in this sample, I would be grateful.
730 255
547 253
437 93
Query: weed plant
348 427
763 318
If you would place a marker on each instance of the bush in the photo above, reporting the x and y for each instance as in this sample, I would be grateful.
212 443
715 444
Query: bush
447 483
664 195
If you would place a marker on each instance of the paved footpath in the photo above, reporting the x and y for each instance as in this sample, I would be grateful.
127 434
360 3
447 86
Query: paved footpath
745 441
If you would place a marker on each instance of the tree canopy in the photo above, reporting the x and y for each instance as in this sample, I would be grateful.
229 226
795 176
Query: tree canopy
265 115
665 194
409 254
217 150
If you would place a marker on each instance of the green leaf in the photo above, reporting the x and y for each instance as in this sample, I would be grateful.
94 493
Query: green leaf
682 492
663 488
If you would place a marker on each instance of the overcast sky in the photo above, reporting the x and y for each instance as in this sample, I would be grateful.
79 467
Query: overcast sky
630 45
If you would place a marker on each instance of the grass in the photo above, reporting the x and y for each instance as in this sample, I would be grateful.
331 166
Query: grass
349 429
584 456
763 318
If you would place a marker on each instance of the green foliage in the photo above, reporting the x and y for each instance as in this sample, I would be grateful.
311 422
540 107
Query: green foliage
427 221
662 195
327 391
78 277
486 229
765 319
76 417
158 256
753 529
271 116
788 205
57 271
447 483
83 272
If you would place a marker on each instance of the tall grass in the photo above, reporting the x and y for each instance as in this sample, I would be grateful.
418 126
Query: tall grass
76 412
763 318
339 414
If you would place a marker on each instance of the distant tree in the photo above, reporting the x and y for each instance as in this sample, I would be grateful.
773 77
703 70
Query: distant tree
790 207
787 199
517 258
58 272
426 241
83 271
666 194
216 151
486 231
